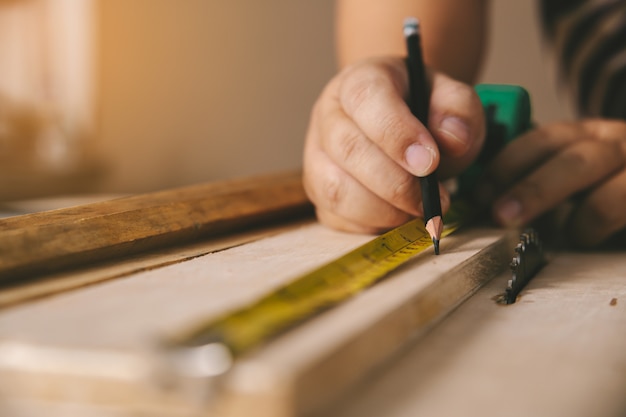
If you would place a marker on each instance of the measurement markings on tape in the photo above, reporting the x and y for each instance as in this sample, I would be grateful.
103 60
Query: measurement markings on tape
318 290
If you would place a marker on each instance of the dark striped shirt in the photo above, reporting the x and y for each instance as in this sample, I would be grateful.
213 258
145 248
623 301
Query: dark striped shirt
589 39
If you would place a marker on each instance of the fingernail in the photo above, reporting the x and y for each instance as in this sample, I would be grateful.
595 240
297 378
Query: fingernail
509 211
456 129
419 158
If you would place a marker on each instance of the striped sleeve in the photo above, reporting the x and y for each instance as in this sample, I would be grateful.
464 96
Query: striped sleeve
589 40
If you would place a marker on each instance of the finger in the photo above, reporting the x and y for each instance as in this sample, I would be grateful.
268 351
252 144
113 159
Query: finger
457 122
341 223
572 170
528 151
333 190
372 96
601 214
353 152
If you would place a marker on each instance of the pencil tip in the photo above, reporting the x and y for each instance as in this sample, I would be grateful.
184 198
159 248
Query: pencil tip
434 227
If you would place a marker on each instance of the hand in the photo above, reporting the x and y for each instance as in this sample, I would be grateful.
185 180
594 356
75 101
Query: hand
364 147
580 163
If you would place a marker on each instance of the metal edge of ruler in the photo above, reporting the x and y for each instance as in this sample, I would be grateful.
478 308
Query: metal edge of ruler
220 340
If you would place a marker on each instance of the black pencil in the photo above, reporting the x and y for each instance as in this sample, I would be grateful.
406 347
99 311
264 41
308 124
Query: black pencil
419 99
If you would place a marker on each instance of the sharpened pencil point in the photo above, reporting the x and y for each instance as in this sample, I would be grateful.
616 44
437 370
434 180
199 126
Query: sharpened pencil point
434 227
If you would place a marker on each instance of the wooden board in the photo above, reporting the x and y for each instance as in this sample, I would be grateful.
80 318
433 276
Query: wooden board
43 243
559 351
55 283
95 351
103 339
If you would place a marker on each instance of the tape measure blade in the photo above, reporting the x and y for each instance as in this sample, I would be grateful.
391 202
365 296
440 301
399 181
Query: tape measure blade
317 290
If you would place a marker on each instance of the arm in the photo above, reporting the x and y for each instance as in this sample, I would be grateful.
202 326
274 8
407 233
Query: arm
454 32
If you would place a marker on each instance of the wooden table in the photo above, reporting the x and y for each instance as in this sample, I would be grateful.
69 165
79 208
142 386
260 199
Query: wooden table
83 341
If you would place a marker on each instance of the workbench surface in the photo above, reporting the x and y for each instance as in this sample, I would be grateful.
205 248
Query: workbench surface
560 350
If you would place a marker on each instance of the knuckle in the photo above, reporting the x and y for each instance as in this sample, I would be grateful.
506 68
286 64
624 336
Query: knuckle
458 90
359 84
334 191
593 155
393 130
575 158
310 186
356 92
452 91
325 186
602 129
402 191
349 145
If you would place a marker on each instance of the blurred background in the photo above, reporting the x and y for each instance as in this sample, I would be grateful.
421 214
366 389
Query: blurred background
127 96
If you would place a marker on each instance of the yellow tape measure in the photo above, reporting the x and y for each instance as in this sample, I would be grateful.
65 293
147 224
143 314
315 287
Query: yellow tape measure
318 290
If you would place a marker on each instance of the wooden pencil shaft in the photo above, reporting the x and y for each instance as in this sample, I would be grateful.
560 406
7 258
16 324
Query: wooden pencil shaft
419 93
430 196
42 243
419 98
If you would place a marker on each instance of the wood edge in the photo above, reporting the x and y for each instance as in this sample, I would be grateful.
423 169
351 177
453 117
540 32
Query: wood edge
310 392
65 239
61 282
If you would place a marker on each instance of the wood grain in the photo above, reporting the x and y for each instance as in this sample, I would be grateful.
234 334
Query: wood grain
62 281
559 351
317 363
64 340
43 243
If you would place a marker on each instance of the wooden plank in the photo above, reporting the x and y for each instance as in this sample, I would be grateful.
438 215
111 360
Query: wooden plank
309 368
559 351
49 349
80 277
45 242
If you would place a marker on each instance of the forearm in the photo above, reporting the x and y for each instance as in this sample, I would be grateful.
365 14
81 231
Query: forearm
454 32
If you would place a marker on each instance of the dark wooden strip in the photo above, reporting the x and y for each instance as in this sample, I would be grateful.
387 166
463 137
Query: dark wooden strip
46 242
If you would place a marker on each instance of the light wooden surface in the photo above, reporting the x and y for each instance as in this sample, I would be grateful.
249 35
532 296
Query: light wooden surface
52 284
559 351
55 345
316 364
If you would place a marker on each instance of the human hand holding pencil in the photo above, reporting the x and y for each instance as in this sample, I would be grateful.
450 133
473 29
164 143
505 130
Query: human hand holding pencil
365 150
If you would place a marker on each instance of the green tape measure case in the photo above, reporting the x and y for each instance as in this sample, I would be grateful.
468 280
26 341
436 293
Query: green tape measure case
508 115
